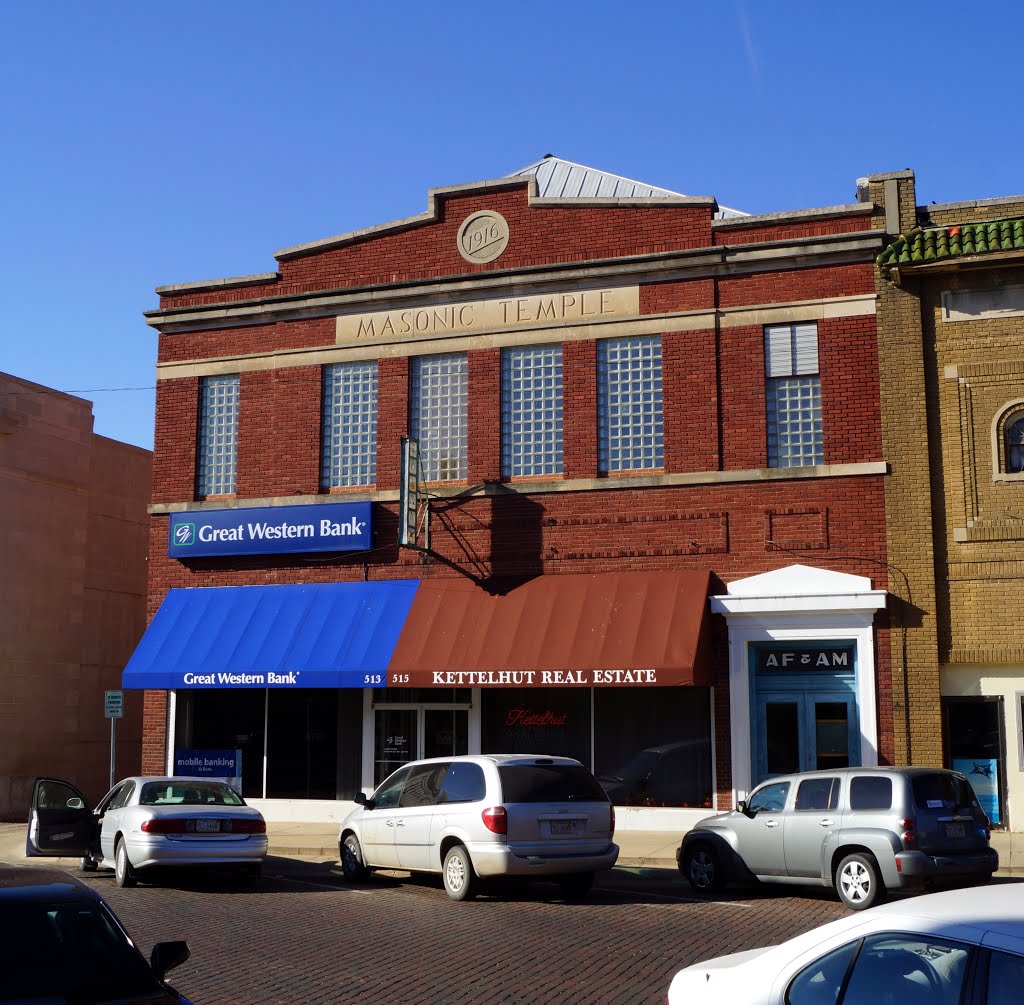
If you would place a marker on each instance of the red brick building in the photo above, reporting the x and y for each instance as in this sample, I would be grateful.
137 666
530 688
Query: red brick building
625 401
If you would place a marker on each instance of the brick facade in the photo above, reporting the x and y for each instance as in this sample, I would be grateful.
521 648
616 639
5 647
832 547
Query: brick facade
714 505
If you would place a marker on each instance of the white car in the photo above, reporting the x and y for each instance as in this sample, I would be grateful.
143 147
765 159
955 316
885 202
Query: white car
146 822
478 816
959 946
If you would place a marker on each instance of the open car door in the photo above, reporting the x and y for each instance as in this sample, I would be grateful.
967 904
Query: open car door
60 821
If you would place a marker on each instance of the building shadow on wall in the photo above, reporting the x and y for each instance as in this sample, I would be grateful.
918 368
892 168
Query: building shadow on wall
500 547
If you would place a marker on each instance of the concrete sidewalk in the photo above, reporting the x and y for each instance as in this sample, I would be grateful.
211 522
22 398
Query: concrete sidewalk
653 849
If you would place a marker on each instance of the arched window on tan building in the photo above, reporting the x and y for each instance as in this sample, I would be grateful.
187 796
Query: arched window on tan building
1008 443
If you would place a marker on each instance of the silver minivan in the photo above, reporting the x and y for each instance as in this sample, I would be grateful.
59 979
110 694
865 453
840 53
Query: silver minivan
862 831
479 816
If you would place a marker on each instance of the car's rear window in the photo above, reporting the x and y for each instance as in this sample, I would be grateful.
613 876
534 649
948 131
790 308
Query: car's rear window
870 792
549 783
189 794
942 791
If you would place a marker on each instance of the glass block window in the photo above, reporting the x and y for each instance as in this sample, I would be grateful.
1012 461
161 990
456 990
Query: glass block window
629 412
216 464
793 391
348 452
439 415
531 411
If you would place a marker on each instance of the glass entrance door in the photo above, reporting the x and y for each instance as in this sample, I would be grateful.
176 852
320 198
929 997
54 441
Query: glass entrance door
805 732
976 746
395 740
412 732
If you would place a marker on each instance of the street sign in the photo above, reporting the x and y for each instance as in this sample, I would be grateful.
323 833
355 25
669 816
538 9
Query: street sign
113 704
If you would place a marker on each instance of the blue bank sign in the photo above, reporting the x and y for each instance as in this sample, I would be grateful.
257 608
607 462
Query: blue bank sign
271 530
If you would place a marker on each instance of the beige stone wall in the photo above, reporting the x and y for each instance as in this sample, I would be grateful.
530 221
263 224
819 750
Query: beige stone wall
72 593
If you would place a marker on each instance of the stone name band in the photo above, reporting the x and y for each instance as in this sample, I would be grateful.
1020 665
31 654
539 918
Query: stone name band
484 315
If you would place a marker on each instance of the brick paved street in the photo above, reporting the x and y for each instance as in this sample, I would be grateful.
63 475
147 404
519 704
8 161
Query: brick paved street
304 936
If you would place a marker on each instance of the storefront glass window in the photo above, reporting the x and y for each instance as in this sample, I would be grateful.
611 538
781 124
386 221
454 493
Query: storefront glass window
652 746
225 720
537 720
974 746
302 747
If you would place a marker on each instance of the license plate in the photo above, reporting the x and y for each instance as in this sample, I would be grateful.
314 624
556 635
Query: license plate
563 826
955 830
207 826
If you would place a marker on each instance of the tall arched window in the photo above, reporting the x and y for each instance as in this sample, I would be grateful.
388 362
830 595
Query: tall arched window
1014 444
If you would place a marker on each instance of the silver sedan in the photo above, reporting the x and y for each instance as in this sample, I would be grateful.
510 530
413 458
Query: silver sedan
145 822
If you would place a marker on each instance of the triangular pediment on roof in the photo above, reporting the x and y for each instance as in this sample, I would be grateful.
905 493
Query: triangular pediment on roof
798 581
558 178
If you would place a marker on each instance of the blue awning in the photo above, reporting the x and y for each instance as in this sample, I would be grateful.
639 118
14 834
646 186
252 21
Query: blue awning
321 635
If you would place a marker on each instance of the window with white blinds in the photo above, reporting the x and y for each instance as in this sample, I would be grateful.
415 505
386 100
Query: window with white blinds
217 449
349 425
439 415
629 406
531 411
793 391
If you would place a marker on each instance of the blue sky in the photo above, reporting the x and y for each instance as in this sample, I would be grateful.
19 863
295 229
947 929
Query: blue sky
145 144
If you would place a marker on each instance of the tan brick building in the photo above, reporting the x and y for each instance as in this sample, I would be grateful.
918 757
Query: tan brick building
73 531
951 328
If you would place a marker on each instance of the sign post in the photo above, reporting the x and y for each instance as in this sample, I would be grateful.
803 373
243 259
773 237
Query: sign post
113 709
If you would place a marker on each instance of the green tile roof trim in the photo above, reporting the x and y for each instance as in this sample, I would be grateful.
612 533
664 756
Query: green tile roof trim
939 243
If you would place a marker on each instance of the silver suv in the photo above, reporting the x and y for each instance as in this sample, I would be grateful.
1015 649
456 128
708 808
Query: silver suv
862 831
477 816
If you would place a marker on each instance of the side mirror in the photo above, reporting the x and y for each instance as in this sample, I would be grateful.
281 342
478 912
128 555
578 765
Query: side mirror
166 956
741 807
75 803
361 799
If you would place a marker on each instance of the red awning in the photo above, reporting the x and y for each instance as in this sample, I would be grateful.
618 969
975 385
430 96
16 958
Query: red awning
625 628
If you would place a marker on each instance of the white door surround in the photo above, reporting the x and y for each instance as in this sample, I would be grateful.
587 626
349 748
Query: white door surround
797 603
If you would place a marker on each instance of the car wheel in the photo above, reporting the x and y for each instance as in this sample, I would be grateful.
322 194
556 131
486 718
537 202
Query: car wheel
576 886
352 860
702 869
459 878
124 873
87 863
858 883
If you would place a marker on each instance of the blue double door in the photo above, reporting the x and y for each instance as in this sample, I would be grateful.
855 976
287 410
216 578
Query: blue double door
805 730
